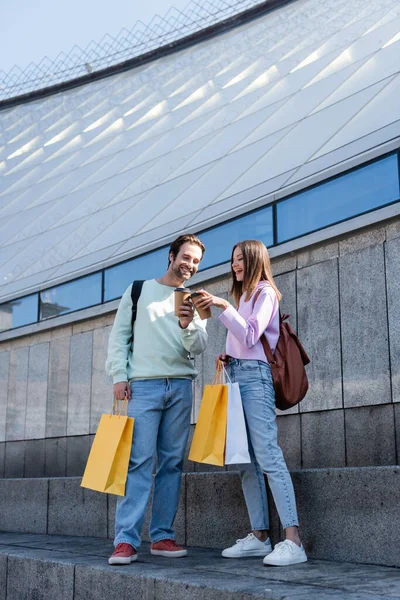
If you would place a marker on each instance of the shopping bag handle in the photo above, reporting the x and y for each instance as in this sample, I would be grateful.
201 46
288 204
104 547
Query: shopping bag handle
220 374
123 408
226 374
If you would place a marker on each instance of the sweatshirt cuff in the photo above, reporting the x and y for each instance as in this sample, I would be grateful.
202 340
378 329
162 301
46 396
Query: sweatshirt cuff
228 316
189 329
120 378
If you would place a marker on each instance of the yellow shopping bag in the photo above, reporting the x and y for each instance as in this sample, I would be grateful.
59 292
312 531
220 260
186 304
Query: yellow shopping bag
208 444
107 465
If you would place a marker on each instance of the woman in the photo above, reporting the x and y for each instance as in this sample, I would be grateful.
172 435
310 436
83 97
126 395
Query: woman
257 300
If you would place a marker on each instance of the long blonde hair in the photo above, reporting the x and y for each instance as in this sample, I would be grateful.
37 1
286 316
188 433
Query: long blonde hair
257 267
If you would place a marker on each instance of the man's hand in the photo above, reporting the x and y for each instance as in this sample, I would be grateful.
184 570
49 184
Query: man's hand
122 390
186 312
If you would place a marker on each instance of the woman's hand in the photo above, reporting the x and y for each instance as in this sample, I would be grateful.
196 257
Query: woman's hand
221 357
206 300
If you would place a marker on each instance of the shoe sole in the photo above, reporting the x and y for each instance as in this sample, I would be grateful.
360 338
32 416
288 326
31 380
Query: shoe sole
169 554
122 561
250 554
288 564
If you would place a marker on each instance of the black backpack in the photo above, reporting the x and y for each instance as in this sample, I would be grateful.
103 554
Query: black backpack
135 293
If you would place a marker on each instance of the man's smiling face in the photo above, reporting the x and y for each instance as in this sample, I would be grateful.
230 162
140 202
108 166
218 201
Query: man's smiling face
186 262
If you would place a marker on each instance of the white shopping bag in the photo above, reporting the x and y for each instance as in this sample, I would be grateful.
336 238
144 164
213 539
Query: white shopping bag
236 447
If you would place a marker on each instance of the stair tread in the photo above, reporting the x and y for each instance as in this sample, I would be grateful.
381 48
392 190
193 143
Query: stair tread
206 569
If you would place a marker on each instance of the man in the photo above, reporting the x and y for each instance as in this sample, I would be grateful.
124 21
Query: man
156 376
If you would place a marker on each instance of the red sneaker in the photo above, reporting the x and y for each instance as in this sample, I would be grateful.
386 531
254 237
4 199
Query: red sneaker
123 554
167 548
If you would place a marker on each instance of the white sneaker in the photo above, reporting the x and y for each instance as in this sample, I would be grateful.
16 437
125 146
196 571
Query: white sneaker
248 546
286 553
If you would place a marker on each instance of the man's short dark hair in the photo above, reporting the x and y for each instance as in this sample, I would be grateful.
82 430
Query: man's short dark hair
183 239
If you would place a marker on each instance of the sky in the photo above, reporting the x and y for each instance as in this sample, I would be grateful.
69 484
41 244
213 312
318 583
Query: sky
31 30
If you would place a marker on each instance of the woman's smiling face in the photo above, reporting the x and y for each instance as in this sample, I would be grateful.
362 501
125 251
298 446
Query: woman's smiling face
238 263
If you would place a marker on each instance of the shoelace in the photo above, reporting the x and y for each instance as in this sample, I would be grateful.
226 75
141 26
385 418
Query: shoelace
283 547
248 538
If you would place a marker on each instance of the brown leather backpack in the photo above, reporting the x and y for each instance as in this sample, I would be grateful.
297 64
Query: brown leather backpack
287 366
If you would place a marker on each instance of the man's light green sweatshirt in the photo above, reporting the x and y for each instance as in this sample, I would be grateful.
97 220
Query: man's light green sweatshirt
160 347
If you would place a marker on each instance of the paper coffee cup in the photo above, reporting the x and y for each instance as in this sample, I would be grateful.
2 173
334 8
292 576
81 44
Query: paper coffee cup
204 313
181 294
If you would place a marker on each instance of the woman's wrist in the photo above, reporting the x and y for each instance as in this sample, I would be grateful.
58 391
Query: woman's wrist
224 304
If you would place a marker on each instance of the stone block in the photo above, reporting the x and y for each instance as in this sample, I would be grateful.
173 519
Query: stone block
218 286
61 332
287 286
56 457
4 369
34 458
189 465
289 438
74 510
93 583
212 499
397 425
102 386
370 437
3 577
39 338
319 332
32 579
35 422
17 388
314 255
198 387
57 394
179 523
2 457
323 441
393 229
345 514
283 264
362 240
14 459
393 293
80 375
78 448
23 505
364 328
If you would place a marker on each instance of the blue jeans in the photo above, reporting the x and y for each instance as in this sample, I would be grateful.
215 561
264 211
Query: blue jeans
161 409
258 398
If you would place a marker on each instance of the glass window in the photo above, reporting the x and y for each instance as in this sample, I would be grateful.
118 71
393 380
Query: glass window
147 266
220 240
16 313
74 295
357 192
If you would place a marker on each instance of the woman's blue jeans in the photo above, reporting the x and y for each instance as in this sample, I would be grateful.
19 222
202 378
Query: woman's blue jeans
258 398
161 409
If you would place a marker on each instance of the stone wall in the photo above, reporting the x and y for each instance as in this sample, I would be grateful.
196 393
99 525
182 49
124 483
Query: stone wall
344 301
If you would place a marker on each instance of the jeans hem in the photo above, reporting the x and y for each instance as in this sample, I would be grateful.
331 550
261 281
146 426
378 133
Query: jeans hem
171 537
290 524
116 542
262 528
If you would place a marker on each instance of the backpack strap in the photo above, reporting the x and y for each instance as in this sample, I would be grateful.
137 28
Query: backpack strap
263 338
135 293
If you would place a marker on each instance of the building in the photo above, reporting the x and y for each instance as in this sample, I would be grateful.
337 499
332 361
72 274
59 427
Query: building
279 122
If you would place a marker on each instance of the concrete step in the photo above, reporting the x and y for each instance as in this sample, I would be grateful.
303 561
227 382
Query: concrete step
43 567
347 514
